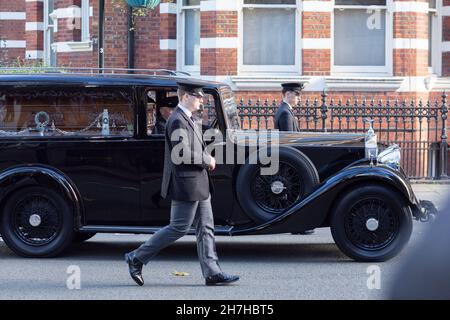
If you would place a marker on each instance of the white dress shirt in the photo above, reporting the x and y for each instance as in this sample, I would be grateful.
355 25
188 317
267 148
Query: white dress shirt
288 104
189 115
186 111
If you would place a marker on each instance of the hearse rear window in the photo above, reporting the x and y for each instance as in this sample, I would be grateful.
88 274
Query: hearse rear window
66 112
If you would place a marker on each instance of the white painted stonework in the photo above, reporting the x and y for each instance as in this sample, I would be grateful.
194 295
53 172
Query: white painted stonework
219 5
168 8
403 43
12 44
317 43
215 43
34 26
13 15
72 46
167 44
34 54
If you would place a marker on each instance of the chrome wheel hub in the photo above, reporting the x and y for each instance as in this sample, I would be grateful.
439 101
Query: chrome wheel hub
35 220
277 187
372 224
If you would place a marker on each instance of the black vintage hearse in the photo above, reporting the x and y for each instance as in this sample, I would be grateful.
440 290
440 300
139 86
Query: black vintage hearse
78 157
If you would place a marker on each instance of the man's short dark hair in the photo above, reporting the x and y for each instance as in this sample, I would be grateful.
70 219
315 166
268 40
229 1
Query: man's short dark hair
181 93
292 86
284 90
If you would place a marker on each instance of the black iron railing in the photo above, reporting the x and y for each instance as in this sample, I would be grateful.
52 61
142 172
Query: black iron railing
419 128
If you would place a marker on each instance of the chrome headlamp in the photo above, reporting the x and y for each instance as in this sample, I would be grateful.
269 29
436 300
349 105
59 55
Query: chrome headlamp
391 155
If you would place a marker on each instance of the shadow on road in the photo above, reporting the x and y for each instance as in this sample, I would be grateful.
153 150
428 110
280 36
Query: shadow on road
187 251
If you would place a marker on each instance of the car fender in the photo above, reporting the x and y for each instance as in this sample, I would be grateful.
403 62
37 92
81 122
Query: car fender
21 176
313 210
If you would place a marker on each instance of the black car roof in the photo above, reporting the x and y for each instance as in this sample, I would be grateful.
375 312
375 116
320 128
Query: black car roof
100 79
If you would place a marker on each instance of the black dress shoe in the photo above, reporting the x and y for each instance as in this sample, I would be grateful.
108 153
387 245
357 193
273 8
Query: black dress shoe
135 268
221 279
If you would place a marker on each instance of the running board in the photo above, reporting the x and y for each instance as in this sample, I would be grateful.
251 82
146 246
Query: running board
219 230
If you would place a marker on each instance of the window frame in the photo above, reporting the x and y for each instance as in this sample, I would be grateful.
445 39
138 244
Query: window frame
436 33
296 68
85 15
48 27
387 69
181 29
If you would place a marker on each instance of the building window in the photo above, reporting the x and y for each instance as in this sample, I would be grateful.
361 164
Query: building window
49 30
433 40
362 37
190 15
269 32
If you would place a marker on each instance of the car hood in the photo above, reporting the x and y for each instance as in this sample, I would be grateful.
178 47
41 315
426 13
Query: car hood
322 139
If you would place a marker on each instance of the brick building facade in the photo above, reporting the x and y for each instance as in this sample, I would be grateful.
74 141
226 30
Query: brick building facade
350 48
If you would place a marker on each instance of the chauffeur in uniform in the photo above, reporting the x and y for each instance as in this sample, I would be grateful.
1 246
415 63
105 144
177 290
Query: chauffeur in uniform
285 119
163 115
189 187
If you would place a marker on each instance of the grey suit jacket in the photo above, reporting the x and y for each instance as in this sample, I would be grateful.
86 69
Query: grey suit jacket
190 179
285 120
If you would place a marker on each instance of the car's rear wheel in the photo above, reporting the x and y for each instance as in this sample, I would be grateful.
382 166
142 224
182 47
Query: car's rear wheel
263 197
371 223
81 237
37 222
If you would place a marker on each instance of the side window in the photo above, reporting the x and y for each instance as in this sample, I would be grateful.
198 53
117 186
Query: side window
208 112
161 104
66 112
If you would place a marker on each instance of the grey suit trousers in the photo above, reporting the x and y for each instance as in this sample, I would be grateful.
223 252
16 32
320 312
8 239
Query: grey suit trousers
182 215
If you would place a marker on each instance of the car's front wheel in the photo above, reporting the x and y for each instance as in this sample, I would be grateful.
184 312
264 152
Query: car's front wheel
264 197
37 222
371 223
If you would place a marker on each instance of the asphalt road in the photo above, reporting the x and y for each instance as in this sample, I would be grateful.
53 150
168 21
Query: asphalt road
271 267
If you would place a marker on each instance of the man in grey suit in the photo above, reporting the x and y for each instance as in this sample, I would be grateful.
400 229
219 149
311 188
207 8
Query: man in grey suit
285 120
187 182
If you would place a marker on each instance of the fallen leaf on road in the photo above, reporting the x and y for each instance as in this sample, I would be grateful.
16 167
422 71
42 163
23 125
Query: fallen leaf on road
180 274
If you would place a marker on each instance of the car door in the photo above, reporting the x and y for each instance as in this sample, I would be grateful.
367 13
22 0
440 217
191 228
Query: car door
155 211
107 177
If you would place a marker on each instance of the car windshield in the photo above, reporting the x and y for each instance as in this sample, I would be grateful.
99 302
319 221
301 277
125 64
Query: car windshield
230 108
